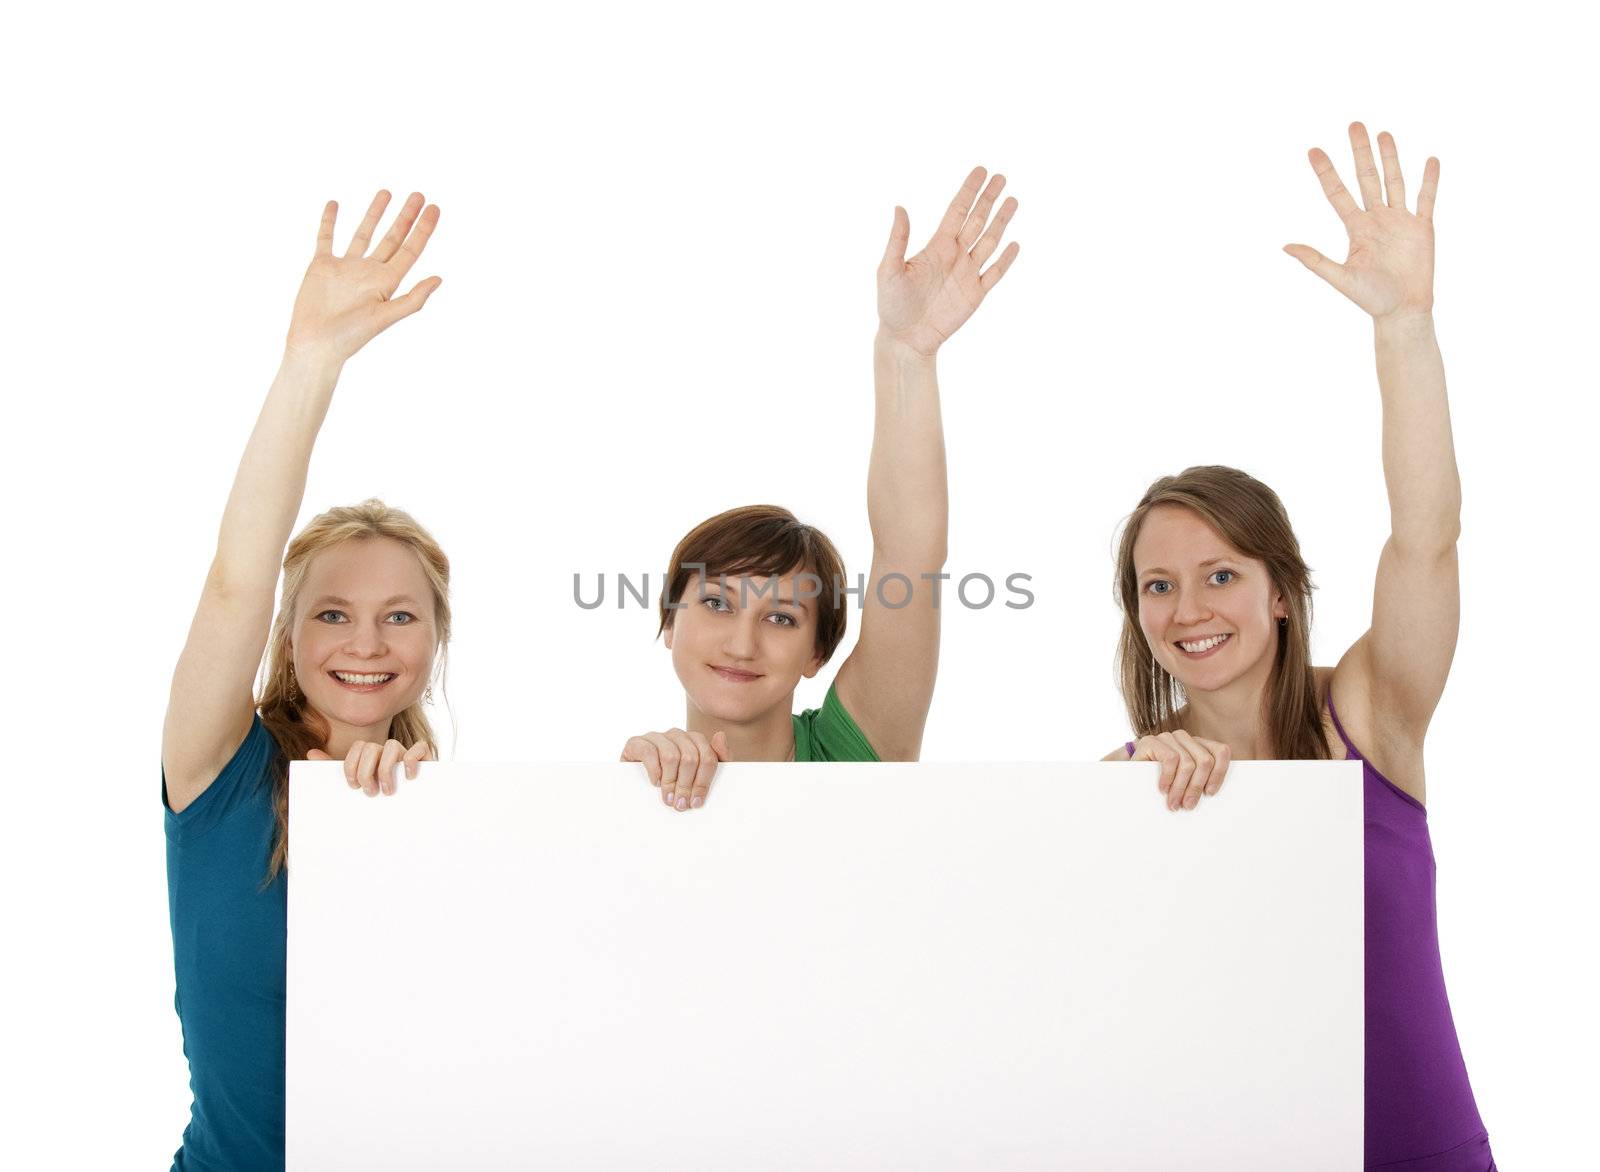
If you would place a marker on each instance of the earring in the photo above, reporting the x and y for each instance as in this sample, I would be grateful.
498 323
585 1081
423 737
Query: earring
427 695
1283 623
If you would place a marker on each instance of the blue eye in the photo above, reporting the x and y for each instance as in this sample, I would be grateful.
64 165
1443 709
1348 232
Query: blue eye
1150 587
1226 576
784 620
338 616
716 604
405 617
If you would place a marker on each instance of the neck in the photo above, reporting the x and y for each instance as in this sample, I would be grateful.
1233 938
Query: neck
1236 716
768 737
341 736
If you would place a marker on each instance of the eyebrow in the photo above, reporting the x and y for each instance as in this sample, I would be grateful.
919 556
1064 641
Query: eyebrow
1203 565
326 598
802 605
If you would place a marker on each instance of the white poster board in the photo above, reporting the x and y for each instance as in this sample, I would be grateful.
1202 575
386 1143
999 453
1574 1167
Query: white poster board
873 967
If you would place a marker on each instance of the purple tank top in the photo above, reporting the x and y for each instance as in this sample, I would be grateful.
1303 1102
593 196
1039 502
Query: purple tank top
1420 1114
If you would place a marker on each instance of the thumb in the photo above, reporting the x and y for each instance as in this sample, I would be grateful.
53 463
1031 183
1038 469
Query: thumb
899 234
317 755
719 746
398 307
1330 271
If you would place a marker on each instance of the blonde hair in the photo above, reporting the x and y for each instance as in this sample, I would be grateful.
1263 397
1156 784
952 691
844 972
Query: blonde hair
1253 520
294 725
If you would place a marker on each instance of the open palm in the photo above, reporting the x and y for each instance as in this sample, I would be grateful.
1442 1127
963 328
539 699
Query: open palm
344 302
921 302
1389 269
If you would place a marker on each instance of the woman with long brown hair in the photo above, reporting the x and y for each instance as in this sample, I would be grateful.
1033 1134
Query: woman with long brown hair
1216 662
359 633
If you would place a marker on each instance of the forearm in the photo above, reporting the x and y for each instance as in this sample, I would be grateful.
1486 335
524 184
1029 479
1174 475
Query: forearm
907 496
270 484
1419 462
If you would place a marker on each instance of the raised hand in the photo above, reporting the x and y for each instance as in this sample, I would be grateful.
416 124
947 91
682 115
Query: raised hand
344 302
1389 271
921 302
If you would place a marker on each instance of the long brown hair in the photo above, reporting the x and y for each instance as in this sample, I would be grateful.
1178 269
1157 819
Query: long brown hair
294 725
1253 520
765 541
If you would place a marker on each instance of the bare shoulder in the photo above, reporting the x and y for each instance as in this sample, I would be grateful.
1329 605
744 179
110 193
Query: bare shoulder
1386 744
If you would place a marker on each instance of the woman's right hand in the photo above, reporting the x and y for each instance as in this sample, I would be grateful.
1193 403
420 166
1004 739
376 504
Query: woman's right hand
1189 766
346 301
679 763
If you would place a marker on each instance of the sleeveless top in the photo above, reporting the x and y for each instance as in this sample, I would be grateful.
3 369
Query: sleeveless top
1420 1113
228 935
830 734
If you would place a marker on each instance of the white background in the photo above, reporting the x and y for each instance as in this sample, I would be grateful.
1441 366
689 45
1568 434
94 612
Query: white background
658 240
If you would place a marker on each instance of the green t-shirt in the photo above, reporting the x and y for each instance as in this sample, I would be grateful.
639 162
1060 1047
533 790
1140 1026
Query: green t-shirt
829 734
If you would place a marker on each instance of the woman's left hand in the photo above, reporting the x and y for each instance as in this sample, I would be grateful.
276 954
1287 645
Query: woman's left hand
921 302
371 767
1389 270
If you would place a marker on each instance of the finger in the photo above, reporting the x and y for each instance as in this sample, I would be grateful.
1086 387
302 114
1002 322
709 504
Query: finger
1190 797
1330 271
980 212
390 244
317 755
1394 184
672 763
415 242
991 239
1180 777
1366 169
415 755
1331 187
719 746
688 762
352 762
1151 749
690 770
1429 189
367 767
894 253
703 775
956 214
991 275
363 236
393 750
641 749
398 307
330 212
1219 772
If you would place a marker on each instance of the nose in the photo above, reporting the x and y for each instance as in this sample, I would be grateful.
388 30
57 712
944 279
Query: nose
1192 608
740 642
367 640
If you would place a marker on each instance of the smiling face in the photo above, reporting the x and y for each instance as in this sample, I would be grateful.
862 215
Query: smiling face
743 647
364 634
1209 614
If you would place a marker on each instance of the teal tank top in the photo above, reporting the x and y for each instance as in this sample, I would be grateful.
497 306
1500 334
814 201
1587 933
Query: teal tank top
228 933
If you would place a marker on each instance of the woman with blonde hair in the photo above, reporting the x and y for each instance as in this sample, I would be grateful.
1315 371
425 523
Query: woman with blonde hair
756 600
364 619
1216 658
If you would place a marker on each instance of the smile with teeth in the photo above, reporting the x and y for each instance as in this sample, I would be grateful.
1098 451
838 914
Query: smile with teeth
362 679
1198 646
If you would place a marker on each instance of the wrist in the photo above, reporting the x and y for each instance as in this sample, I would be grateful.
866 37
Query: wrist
1404 324
311 363
900 350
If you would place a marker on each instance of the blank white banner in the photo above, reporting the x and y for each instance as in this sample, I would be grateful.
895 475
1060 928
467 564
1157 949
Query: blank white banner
842 967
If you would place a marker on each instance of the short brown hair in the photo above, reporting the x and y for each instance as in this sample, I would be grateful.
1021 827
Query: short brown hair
1252 519
764 541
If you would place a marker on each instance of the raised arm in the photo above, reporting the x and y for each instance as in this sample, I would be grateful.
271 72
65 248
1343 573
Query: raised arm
343 303
887 683
1397 670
